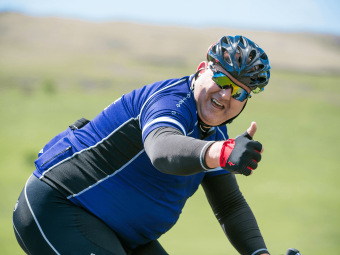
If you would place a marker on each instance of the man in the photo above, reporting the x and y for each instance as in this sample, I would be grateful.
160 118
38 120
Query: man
115 184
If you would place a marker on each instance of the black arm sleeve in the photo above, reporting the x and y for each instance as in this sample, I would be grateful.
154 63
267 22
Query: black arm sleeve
234 214
173 153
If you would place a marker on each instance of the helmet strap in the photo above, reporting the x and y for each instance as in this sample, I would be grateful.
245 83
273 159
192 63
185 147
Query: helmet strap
231 120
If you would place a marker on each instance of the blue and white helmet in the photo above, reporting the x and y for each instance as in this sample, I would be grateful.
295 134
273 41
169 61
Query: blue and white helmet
243 59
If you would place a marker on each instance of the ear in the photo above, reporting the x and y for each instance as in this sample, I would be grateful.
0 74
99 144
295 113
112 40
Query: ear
202 66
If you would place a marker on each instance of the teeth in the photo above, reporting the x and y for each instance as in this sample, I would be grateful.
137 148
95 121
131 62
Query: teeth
217 102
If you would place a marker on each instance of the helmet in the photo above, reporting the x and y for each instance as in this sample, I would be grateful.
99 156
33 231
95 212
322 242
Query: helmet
243 59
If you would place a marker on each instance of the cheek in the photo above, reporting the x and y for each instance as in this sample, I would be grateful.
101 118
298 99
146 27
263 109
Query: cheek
237 105
201 93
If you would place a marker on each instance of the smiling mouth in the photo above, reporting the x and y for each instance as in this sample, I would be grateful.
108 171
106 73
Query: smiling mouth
216 104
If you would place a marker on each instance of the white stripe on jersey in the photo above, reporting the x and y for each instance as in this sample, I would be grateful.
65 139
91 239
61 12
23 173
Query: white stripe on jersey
20 237
116 172
36 221
221 133
165 119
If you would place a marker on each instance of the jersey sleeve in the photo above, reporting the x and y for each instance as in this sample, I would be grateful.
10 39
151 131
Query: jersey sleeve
168 111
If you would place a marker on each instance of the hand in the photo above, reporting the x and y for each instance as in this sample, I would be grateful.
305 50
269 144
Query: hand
251 132
241 155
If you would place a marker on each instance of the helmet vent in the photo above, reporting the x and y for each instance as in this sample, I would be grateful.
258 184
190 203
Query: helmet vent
264 56
261 79
253 69
225 40
213 49
243 41
251 57
226 56
238 56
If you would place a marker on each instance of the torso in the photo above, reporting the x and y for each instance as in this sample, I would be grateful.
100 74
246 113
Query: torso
107 171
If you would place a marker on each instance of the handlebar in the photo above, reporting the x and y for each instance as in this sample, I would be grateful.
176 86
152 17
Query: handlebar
292 251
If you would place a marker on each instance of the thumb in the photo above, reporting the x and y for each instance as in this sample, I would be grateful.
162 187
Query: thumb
252 129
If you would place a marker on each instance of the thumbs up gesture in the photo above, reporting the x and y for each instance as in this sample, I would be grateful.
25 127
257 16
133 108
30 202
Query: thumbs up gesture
241 155
252 129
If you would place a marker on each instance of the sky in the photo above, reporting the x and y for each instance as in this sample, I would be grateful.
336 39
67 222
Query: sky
316 16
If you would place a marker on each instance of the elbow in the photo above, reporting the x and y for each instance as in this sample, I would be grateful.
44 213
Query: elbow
160 165
166 166
158 161
163 165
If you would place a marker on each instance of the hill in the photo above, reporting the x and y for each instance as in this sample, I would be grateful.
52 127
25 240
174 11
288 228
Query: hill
69 53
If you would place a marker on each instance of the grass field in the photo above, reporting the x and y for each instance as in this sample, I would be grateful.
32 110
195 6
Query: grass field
46 83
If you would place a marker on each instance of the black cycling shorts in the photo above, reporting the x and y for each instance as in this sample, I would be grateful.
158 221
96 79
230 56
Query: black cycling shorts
45 222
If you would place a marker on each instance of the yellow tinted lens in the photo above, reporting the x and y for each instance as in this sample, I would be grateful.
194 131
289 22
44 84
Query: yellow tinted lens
236 89
222 80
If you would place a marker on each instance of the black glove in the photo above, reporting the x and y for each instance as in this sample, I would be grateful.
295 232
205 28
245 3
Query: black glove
240 155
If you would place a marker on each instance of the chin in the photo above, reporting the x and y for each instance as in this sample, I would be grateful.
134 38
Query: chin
212 123
211 119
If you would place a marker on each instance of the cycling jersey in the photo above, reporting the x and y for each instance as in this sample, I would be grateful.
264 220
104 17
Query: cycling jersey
103 166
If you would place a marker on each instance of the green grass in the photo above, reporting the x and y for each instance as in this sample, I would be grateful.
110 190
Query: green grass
294 193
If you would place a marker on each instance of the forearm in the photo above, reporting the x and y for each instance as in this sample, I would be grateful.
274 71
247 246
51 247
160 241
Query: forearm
173 153
234 214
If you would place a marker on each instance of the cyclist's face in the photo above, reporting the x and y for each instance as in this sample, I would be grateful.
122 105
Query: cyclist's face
215 105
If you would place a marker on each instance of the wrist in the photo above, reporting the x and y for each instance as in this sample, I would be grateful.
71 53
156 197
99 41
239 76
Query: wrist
212 156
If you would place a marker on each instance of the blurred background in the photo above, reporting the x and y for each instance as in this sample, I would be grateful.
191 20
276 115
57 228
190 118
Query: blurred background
63 60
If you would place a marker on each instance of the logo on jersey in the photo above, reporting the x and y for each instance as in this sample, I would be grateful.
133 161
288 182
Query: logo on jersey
112 103
183 99
231 164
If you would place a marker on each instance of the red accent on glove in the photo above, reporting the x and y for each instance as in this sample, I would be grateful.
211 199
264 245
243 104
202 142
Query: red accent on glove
226 150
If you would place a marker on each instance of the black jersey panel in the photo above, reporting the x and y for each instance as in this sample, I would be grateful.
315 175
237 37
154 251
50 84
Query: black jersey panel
95 163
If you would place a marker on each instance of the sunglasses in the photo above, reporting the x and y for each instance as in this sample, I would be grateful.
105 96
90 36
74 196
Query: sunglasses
224 82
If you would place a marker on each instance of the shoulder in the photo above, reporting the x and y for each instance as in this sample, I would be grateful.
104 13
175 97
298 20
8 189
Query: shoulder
169 94
177 85
171 104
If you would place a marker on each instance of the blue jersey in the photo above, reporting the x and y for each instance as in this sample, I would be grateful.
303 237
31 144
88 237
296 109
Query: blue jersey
103 166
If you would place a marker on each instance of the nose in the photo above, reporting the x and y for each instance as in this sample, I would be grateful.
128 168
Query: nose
225 93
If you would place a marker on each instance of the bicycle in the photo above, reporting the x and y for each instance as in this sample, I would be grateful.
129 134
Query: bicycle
292 251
